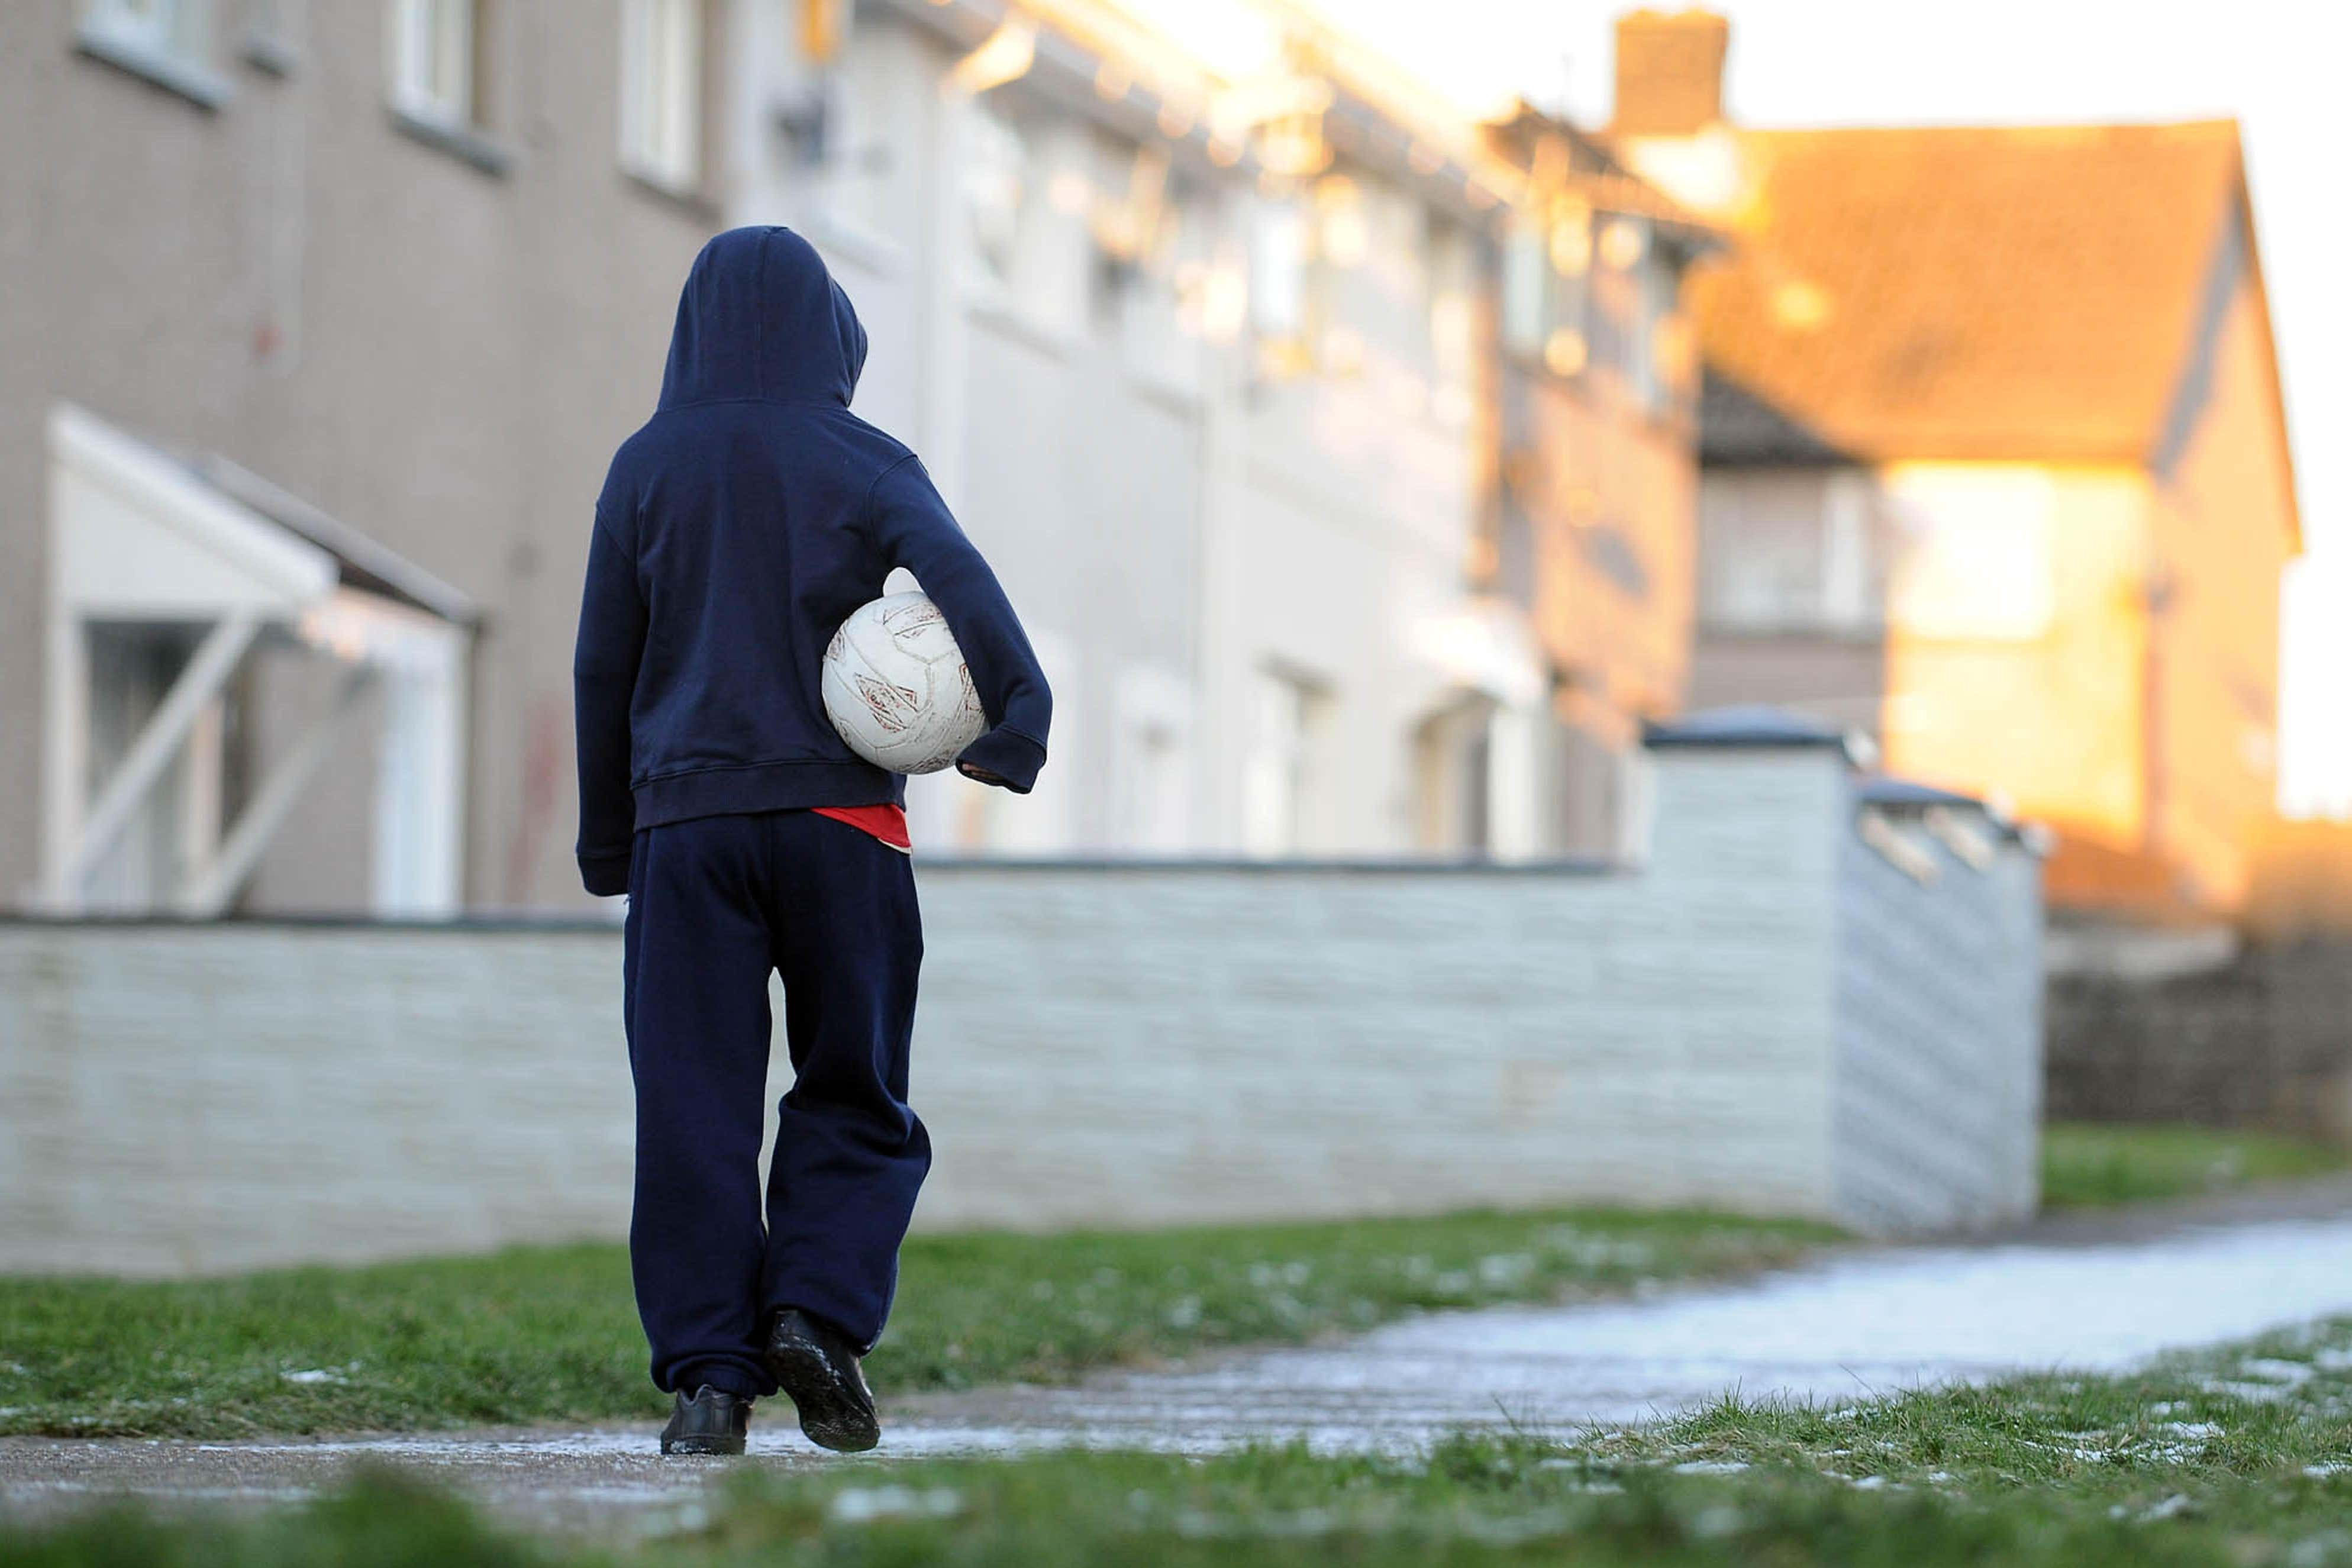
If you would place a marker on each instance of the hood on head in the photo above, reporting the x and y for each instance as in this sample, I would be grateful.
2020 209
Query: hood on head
760 317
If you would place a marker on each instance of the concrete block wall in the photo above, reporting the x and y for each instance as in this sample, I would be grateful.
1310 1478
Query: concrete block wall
1149 1046
1939 1078
177 1098
1119 1045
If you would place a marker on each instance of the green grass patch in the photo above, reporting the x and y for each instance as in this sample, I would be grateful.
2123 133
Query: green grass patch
2093 1165
2241 1456
550 1333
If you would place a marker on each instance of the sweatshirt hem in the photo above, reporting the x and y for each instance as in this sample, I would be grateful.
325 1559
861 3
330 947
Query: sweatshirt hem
762 786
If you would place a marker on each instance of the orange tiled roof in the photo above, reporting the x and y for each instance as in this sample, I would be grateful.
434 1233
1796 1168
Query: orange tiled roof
1973 292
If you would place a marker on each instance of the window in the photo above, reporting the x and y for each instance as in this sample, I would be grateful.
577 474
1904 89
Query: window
1278 261
269 36
1454 766
1344 218
1526 305
1279 787
1026 194
169 42
1975 561
996 191
661 91
865 94
1155 252
959 816
432 59
1452 326
180 29
1404 235
1150 763
1791 551
1545 271
1635 304
1651 376
1150 803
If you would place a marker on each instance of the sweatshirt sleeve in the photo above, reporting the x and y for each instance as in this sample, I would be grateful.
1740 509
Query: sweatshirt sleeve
604 682
915 530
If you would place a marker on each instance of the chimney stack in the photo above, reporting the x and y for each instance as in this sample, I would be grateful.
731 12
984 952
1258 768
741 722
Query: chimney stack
1669 71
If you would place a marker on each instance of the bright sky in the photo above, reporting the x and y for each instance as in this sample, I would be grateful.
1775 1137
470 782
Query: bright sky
2279 66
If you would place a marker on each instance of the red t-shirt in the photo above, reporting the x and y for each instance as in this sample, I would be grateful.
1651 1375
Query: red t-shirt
887 823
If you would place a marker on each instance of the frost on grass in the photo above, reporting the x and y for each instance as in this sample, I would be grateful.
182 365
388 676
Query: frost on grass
2263 1408
2316 1551
2117 1448
863 1505
2263 1380
2173 1507
1597 1253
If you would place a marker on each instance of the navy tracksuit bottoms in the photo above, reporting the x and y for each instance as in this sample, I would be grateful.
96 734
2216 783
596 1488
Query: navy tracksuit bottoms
715 905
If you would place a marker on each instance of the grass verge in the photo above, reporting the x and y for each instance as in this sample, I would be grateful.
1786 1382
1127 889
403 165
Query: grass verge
2091 1164
2240 1457
550 1333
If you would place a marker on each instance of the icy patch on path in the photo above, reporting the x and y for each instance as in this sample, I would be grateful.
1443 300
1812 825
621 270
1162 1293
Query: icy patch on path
2086 1308
1857 1326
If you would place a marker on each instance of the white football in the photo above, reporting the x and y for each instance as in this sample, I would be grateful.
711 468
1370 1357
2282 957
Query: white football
897 687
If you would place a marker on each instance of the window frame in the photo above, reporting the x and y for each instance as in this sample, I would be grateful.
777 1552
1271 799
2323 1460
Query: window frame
166 27
1151 272
664 82
1830 521
453 120
1526 292
1655 296
173 49
266 40
417 32
1001 170
1451 320
1560 298
1284 764
1281 268
1043 285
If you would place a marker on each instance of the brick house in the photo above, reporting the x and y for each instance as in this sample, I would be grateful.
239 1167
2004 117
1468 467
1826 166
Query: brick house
1995 460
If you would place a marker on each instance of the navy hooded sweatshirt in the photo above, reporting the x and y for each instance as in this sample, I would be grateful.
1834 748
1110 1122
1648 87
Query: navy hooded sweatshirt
736 531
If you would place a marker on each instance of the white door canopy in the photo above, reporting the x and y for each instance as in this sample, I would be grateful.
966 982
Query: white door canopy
220 557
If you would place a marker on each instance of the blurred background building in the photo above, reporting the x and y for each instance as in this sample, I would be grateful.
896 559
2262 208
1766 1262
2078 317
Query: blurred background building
1996 461
324 320
1344 455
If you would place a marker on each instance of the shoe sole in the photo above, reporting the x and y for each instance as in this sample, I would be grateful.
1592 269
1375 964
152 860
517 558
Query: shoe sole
702 1446
832 1416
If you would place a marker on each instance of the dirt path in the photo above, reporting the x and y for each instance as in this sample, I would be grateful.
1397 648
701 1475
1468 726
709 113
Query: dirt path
2100 1293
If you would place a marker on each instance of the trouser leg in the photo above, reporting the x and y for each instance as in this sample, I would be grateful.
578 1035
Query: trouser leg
850 1153
698 949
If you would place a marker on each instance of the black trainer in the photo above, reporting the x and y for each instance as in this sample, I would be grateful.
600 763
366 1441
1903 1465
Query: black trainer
818 1368
712 1422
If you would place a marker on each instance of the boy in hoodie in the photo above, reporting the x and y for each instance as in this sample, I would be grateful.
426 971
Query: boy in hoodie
737 529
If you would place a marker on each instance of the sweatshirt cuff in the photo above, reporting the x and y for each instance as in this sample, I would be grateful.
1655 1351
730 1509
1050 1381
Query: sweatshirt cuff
1009 755
606 876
